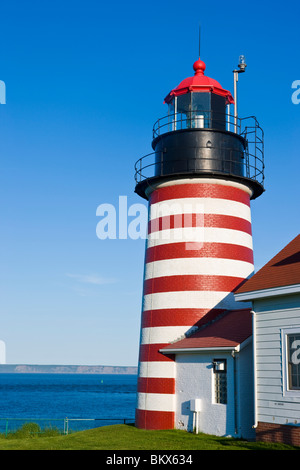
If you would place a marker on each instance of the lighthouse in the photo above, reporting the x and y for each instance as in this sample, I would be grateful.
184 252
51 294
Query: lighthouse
206 166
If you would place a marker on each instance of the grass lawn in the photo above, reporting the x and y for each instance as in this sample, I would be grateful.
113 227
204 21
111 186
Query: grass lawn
127 437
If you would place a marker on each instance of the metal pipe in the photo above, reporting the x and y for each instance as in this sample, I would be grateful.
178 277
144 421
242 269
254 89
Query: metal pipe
242 66
197 424
254 366
228 117
235 80
235 392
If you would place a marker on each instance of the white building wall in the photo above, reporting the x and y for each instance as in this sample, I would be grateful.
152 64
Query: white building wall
195 379
275 317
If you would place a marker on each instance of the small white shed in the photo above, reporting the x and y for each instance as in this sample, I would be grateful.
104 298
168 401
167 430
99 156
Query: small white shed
214 377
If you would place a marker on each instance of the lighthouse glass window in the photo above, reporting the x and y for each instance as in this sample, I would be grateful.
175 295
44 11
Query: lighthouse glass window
184 111
293 352
201 110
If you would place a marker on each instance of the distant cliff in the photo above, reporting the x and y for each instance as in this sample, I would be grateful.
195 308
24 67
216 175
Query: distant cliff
64 369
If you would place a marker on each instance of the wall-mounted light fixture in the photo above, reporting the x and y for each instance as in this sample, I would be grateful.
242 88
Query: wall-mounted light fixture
219 365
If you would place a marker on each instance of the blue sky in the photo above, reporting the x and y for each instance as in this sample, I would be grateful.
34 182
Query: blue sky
85 82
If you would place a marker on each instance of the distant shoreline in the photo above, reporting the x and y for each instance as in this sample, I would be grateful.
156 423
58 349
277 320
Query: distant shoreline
65 369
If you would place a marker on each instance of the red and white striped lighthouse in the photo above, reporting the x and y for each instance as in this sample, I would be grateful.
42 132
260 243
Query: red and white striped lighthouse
199 181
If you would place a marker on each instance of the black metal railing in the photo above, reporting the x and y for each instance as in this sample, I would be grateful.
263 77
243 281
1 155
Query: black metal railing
150 165
254 153
204 119
251 160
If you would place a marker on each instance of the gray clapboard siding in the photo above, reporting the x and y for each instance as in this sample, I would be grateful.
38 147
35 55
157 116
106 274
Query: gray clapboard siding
272 317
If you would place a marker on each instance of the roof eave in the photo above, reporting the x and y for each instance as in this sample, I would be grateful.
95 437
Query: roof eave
200 89
236 348
198 350
270 292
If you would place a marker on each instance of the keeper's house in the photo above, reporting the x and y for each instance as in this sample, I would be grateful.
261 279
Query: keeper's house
275 295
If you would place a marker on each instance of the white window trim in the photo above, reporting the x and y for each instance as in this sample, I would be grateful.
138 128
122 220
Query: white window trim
284 333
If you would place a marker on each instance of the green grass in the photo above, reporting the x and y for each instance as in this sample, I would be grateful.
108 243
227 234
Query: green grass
127 437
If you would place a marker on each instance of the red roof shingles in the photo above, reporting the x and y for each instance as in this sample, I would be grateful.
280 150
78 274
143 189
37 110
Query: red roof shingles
230 330
282 270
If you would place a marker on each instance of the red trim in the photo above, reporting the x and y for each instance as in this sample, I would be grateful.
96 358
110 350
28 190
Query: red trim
203 190
192 282
199 220
154 419
156 385
177 317
150 353
210 250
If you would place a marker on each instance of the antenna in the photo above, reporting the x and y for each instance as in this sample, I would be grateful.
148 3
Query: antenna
199 38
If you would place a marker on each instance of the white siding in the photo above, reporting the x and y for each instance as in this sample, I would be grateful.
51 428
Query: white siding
273 317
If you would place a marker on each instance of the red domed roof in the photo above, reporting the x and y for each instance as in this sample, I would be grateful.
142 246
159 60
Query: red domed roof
199 83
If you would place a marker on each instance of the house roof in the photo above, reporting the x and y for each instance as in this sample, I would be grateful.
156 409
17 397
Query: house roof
229 331
282 270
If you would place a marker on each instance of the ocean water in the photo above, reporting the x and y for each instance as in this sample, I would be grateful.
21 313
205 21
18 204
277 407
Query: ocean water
87 400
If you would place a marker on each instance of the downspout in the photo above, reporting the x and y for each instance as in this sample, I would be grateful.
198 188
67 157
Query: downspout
235 390
254 367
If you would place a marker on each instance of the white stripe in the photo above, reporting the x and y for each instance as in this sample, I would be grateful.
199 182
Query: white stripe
200 266
175 235
200 234
189 299
156 401
199 206
157 369
163 334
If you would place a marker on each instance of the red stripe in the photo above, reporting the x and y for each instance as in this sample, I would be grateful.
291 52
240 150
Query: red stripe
178 317
150 353
145 419
199 220
156 385
204 190
193 282
209 250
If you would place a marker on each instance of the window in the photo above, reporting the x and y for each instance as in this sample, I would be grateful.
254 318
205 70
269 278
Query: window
201 110
172 110
220 381
290 341
293 357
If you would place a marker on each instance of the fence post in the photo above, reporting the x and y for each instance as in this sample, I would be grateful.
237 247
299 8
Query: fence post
6 428
66 426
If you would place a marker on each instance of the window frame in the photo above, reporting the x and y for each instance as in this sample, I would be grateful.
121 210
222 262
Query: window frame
285 334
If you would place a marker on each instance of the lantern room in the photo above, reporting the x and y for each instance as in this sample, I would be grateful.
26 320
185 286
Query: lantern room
199 102
199 137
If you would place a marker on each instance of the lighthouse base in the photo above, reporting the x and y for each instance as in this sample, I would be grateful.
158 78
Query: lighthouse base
154 419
